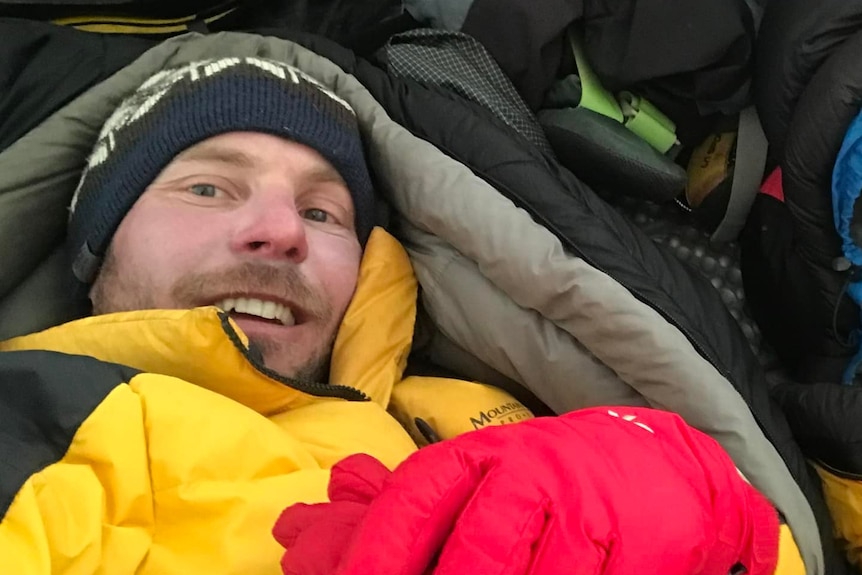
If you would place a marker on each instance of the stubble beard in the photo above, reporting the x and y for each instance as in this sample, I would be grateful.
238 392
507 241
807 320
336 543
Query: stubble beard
115 291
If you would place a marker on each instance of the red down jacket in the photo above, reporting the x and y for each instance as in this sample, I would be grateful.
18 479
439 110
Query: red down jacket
602 490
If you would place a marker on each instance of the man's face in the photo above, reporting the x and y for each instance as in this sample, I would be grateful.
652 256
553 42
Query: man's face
246 221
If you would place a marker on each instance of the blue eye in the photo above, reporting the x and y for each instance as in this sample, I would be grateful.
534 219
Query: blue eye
204 190
316 215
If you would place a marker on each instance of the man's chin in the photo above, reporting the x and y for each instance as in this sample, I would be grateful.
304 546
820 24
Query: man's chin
277 359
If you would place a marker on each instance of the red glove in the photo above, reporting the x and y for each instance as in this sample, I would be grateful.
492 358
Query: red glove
612 491
316 536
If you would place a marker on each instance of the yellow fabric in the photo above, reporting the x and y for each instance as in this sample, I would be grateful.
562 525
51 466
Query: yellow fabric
452 407
789 559
382 310
328 443
163 341
844 498
164 477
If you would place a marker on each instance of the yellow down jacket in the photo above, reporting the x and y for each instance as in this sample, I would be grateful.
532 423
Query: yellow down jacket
149 443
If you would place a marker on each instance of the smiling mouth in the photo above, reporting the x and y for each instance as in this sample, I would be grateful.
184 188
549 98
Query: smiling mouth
253 308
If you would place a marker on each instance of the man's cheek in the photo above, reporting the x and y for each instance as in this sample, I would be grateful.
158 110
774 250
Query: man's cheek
341 279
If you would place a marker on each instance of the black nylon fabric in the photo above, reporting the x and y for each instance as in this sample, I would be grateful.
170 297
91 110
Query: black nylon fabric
696 69
41 409
43 67
825 110
785 299
807 292
794 40
354 24
825 422
358 26
47 9
459 63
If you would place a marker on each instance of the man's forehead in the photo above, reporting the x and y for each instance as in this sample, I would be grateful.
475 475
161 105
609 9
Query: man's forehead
228 150
211 151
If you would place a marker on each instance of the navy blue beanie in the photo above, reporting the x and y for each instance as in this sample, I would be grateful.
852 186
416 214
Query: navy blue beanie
180 107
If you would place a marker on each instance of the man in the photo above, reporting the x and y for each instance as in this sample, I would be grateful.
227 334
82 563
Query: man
267 236
223 229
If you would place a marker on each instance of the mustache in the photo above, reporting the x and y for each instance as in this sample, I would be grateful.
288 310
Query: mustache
285 283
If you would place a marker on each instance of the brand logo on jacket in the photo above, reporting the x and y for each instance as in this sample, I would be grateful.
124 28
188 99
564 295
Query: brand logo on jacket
511 412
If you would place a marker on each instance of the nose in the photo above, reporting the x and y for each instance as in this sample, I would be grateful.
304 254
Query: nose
271 229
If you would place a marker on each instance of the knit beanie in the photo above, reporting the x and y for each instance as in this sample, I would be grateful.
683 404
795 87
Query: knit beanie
179 107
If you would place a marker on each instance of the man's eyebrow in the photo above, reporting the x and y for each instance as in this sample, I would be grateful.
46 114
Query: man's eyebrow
228 156
324 173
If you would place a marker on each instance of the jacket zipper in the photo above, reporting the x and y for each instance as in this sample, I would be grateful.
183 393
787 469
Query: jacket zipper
309 387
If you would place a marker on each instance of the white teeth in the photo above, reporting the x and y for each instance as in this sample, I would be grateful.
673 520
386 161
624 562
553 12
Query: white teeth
260 308
249 306
268 310
286 316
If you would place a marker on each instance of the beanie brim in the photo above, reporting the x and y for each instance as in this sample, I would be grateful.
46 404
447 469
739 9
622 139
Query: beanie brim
244 98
